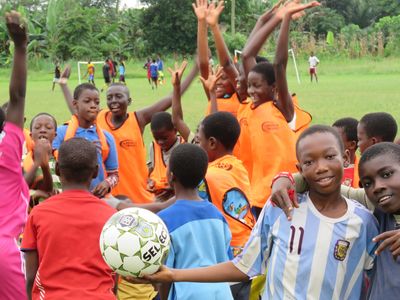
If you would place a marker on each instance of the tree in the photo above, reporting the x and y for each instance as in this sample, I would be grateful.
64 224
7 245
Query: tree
169 26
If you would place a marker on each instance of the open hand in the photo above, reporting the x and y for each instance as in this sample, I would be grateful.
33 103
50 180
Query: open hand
213 77
295 9
200 9
214 12
177 72
16 28
65 75
163 275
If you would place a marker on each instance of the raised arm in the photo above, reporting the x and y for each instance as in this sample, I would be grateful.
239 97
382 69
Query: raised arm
177 113
144 115
210 84
255 44
65 89
284 99
200 9
222 50
17 31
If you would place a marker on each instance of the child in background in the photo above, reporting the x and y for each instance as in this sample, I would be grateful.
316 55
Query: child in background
106 75
39 164
14 195
347 128
374 128
57 75
64 223
270 118
90 72
122 71
200 236
165 140
154 74
328 235
83 124
313 62
160 68
227 99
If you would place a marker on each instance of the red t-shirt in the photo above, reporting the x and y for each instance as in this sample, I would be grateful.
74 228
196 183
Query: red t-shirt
65 231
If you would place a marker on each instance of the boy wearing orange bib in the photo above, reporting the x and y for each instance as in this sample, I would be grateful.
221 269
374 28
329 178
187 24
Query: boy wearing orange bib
227 183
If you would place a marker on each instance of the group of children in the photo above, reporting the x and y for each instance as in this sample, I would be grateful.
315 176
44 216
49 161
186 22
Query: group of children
210 186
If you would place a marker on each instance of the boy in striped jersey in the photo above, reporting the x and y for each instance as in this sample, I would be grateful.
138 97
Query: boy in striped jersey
321 252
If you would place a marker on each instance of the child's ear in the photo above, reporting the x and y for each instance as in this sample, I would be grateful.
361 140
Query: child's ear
376 140
95 171
298 166
346 158
212 142
129 101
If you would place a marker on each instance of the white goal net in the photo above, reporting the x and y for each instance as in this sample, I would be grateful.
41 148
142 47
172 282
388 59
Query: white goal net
84 69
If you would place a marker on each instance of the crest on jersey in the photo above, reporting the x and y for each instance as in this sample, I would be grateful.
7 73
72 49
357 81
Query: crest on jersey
341 248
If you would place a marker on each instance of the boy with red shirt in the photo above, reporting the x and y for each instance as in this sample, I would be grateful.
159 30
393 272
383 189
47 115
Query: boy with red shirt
61 237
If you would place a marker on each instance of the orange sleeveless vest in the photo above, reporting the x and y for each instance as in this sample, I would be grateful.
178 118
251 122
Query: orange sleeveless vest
229 104
73 125
228 188
159 173
303 118
272 147
242 148
131 157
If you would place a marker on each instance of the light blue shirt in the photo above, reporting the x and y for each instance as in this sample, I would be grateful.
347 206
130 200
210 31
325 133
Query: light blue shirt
200 237
90 134
312 256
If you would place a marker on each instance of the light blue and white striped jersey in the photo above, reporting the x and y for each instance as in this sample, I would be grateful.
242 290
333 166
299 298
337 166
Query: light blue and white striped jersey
312 256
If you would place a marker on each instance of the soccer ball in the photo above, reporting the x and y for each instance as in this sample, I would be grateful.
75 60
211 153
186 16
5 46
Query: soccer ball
134 242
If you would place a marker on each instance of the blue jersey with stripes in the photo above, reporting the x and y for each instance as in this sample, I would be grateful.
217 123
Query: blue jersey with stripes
200 237
312 256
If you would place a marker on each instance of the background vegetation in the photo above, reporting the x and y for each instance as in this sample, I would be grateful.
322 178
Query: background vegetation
83 29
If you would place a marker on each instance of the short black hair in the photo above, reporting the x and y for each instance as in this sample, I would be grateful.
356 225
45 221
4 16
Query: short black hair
121 85
224 127
349 126
77 159
43 114
379 149
267 71
83 86
188 163
260 59
380 124
320 129
161 120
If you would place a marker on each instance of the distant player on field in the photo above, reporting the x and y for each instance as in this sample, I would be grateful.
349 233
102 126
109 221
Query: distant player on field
313 61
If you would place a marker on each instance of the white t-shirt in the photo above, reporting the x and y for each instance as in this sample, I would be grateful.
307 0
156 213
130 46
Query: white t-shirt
313 61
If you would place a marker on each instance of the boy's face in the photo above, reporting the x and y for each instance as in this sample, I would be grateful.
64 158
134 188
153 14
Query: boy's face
43 127
258 88
224 86
118 100
380 178
321 162
88 105
364 141
164 138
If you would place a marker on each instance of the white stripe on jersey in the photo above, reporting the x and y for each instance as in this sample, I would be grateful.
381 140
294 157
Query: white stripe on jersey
352 232
323 244
271 263
293 259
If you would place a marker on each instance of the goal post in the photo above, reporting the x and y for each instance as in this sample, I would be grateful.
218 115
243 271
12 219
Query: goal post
85 63
291 52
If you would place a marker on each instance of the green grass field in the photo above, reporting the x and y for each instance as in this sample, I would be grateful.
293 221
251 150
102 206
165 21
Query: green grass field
346 88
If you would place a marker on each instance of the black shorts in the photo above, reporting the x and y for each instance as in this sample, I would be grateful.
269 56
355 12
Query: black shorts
107 80
154 79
